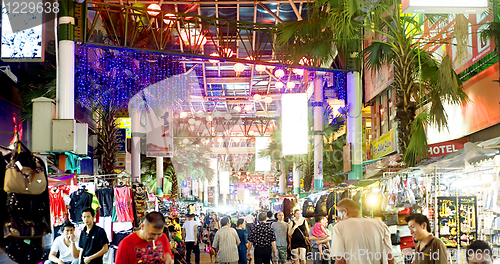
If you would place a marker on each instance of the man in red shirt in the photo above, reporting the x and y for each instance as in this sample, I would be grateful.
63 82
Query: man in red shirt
149 245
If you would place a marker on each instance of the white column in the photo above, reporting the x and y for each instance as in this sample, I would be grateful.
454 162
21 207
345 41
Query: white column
205 193
66 80
318 137
216 189
159 175
354 124
296 179
283 181
135 116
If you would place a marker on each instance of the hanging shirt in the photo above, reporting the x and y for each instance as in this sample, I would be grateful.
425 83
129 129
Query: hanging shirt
134 250
80 200
105 197
122 210
58 211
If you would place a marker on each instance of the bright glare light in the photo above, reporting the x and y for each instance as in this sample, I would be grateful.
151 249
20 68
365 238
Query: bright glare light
214 61
279 73
268 100
279 85
260 68
185 141
239 67
154 7
299 72
183 115
372 200
237 108
197 122
236 140
290 85
294 127
220 140
191 121
200 113
228 116
248 107
257 97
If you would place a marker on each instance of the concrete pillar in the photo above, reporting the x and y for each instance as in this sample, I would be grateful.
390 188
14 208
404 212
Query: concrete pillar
283 180
135 116
205 193
159 175
65 83
354 124
296 179
318 137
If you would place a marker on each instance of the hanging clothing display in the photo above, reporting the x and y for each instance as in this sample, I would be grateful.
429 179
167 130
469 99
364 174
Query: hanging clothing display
58 210
122 210
105 197
80 200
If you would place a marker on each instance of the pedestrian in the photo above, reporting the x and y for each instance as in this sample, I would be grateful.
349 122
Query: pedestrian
479 252
149 245
316 242
270 218
249 219
243 236
63 245
429 249
226 243
214 227
280 229
190 237
354 235
262 236
93 242
319 230
297 230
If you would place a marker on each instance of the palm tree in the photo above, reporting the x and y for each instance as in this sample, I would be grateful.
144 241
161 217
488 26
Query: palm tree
419 78
105 115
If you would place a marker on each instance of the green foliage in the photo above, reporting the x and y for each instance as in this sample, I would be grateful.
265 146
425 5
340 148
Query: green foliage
417 148
105 118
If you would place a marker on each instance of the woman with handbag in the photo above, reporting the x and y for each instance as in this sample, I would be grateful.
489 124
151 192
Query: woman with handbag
298 244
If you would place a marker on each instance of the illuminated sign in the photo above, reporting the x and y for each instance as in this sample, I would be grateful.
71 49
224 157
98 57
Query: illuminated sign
294 124
448 147
444 6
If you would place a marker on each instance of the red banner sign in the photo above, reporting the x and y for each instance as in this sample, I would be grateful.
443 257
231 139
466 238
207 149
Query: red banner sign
447 147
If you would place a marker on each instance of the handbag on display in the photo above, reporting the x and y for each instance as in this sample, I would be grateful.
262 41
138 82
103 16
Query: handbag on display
395 238
404 196
417 191
407 242
25 251
321 208
391 219
25 174
24 229
308 209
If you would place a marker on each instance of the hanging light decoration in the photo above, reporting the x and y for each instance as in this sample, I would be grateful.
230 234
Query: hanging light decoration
279 85
268 100
248 107
257 97
214 61
228 116
236 140
279 73
153 7
198 122
260 68
220 140
192 37
227 52
191 121
290 85
185 141
169 19
299 72
200 113
239 68
183 115
237 108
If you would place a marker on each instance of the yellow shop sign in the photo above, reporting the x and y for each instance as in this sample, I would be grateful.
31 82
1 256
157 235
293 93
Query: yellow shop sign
383 145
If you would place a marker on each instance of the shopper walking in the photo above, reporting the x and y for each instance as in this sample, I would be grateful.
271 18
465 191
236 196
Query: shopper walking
149 245
358 240
430 249
214 227
190 237
243 236
93 240
63 245
280 229
226 243
317 242
262 236
249 219
297 231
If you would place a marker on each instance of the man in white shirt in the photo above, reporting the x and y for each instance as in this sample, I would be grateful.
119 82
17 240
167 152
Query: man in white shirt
249 219
63 245
358 240
190 237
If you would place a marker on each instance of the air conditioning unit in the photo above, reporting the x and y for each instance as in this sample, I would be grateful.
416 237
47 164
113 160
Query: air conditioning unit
67 135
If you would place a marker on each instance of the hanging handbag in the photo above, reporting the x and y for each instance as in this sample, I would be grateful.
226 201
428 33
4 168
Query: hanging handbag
395 238
306 240
25 251
23 179
417 191
321 208
391 219
308 209
26 206
24 229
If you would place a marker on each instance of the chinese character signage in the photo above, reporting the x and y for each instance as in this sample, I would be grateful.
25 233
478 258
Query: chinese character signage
384 145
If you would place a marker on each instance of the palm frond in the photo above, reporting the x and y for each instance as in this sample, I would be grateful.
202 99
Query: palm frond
417 148
378 54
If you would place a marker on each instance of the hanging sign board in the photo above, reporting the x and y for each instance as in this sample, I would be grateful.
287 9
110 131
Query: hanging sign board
160 135
384 145
444 6
447 147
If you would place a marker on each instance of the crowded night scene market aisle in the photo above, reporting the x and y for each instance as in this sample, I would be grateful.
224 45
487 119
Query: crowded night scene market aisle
234 131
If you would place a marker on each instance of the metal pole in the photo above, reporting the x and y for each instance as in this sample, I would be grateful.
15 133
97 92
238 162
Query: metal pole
66 63
318 135
135 116
159 175
354 124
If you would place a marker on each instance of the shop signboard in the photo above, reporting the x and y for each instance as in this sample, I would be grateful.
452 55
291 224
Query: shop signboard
126 123
383 145
121 140
159 136
120 161
457 220
447 147
211 194
438 33
444 6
